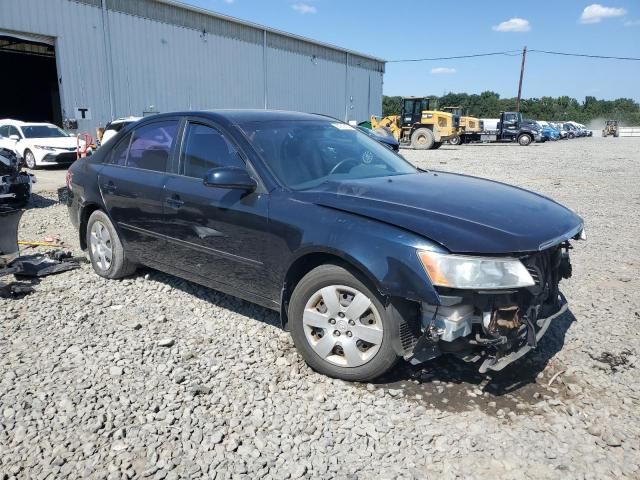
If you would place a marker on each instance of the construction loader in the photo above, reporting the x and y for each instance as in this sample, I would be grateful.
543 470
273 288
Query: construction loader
466 124
420 125
611 128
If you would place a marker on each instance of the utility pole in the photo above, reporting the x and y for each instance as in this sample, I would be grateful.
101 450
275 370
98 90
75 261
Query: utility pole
524 57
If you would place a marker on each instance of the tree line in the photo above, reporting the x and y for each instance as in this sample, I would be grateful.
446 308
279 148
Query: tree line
489 105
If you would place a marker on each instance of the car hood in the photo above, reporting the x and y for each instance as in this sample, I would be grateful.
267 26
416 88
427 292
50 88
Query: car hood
462 213
55 142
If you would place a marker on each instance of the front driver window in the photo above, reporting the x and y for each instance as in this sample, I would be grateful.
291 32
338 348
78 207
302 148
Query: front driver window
206 148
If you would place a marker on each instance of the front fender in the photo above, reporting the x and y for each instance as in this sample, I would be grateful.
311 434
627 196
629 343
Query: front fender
384 253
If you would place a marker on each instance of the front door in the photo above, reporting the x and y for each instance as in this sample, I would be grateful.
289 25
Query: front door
132 183
215 233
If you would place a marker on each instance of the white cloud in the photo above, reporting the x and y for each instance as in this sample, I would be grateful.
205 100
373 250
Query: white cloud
513 25
632 23
441 70
304 8
595 13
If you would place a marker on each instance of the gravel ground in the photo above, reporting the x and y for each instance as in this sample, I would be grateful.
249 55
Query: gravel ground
160 378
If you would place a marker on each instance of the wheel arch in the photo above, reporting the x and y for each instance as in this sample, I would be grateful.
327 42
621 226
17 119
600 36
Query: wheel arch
405 312
85 212
306 261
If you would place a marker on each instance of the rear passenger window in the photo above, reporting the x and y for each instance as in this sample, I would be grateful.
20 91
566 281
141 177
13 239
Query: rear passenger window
206 148
119 153
151 146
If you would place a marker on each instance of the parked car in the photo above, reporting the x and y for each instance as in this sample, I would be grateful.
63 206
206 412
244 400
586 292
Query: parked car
547 131
115 126
39 144
564 134
382 136
366 258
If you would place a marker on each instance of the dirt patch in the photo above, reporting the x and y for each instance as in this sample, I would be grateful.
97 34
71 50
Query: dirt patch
451 385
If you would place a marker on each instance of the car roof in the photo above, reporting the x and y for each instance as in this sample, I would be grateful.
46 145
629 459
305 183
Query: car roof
125 119
19 123
248 115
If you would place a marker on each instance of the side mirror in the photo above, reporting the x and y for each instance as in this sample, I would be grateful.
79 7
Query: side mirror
230 177
14 137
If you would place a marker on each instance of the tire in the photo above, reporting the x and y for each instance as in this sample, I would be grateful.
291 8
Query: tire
106 252
359 360
436 145
455 140
30 160
525 139
572 135
422 139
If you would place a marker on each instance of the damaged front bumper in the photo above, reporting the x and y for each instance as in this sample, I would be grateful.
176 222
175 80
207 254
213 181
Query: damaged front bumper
498 364
495 328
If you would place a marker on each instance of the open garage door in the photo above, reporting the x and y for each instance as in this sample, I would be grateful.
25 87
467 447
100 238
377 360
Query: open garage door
29 81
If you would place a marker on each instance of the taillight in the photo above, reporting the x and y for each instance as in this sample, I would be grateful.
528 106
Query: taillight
68 179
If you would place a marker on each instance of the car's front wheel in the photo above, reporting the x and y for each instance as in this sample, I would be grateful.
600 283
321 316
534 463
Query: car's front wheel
106 252
30 159
340 326
525 139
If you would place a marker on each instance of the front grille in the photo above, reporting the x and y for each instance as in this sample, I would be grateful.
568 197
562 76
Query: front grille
64 157
536 274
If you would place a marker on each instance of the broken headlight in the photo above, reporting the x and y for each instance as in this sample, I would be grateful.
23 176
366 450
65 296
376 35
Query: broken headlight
481 273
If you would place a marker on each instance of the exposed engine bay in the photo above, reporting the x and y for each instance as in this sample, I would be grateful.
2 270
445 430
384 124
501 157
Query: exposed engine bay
496 327
15 183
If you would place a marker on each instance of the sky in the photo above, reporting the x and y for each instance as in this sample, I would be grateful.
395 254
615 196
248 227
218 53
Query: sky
405 29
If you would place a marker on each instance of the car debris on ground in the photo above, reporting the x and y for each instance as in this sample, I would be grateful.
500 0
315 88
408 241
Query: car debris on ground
35 265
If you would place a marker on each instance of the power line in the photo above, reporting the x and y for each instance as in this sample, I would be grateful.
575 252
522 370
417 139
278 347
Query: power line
566 54
508 53
513 53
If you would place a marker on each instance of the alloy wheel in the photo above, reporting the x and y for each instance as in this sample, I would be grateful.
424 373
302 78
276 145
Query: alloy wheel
30 160
101 245
342 326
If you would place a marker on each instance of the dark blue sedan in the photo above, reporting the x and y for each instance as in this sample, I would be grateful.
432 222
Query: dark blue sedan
366 258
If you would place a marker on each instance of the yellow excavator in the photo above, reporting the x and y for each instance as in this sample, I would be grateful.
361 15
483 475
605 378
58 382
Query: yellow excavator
466 124
420 125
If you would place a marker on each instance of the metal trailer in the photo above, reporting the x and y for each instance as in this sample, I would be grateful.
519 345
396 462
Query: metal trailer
104 59
629 131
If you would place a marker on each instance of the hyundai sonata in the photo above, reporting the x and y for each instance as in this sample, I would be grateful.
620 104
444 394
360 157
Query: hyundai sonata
366 258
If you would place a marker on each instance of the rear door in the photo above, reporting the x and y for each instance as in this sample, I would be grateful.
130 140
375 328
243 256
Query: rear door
217 233
132 184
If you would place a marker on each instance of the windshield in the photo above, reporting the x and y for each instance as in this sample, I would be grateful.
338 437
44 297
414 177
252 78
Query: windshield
43 131
306 153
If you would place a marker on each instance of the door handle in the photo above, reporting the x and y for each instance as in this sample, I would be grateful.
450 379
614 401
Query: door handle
174 201
110 187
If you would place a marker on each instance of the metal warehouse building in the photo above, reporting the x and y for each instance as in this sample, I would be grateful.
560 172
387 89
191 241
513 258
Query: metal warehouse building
95 60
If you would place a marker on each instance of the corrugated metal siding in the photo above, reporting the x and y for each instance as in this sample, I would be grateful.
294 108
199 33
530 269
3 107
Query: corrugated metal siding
175 68
161 57
365 93
174 15
302 83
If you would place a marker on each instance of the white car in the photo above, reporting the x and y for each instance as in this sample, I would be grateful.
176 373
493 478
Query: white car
39 143
112 128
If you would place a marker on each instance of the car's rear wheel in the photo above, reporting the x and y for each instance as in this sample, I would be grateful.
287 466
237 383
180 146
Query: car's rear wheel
30 159
106 252
455 140
340 326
